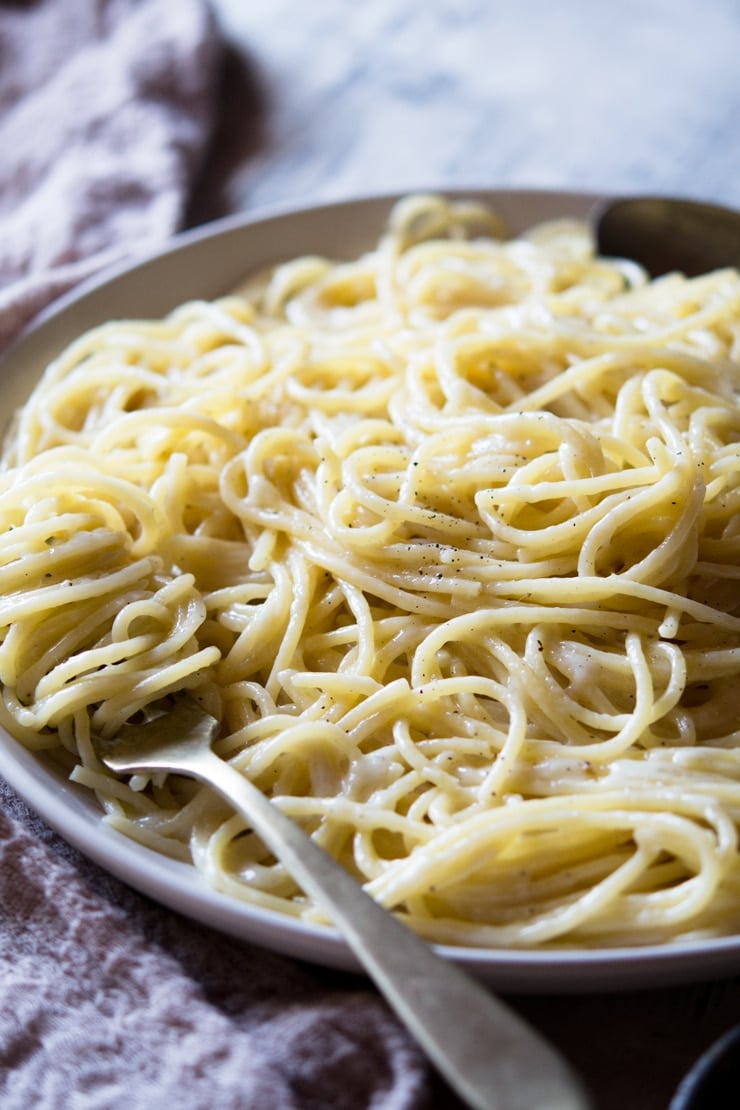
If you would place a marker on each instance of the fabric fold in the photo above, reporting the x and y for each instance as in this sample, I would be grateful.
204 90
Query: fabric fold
106 110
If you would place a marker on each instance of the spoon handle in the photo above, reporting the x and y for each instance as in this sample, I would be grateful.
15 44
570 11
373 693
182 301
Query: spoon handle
491 1058
667 234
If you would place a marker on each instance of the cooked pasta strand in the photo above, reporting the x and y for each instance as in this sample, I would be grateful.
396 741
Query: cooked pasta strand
447 537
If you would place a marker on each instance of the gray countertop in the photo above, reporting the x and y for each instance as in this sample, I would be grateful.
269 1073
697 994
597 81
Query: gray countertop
345 98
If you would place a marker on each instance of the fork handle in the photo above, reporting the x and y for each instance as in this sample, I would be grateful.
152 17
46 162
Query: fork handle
487 1054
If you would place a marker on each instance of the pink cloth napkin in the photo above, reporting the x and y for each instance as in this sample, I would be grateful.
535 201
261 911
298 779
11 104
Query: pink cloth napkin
106 1000
105 113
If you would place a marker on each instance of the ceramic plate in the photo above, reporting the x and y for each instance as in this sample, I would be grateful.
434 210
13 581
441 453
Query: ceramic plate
209 263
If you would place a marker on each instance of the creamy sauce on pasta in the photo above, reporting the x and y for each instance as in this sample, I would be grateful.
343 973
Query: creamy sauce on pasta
447 538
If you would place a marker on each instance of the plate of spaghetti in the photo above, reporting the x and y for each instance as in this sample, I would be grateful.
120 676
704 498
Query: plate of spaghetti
437 512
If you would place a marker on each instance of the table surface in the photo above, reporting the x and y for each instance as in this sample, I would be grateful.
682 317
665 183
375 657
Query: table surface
333 99
348 98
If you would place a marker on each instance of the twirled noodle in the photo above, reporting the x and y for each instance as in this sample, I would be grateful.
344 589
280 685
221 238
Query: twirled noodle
447 537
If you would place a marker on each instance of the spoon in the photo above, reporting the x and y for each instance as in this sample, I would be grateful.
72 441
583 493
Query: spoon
488 1055
666 234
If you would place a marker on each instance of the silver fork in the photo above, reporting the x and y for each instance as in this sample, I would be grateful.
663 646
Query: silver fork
488 1055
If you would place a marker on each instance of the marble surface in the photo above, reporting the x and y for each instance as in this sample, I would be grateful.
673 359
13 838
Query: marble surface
332 99
338 98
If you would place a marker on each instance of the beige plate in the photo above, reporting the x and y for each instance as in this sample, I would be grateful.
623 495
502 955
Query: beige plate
208 263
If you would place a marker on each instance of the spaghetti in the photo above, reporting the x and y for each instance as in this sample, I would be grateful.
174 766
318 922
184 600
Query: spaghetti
447 538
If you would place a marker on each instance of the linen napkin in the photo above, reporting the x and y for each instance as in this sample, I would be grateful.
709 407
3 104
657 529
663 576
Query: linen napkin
105 113
107 1000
